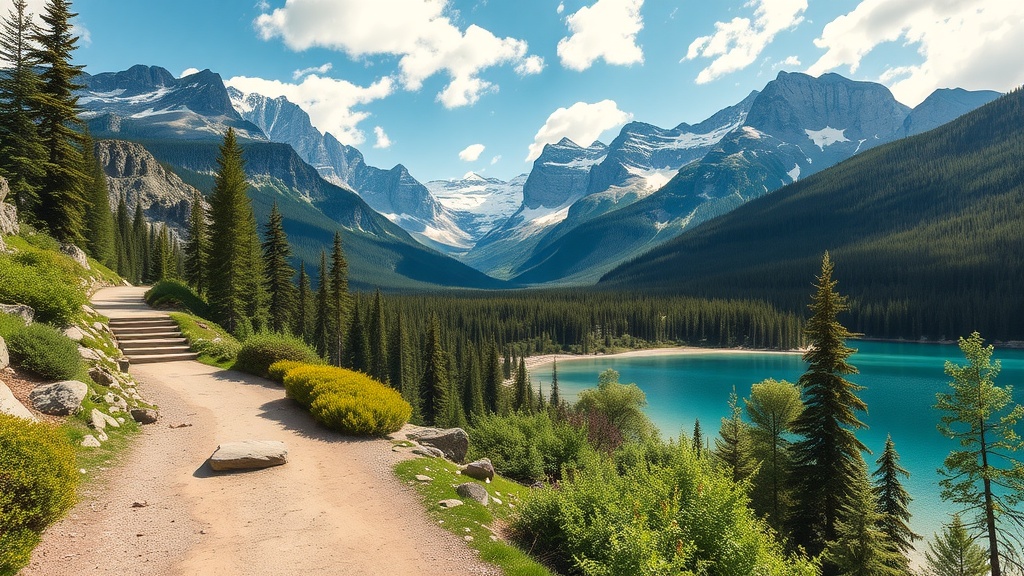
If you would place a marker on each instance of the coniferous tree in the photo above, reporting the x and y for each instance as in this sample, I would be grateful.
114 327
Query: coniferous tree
378 335
278 273
556 398
401 377
22 154
322 328
773 406
698 438
894 506
955 553
140 238
302 324
827 458
125 242
541 403
197 246
494 378
984 475
732 447
357 349
861 548
231 258
434 384
62 192
253 276
99 220
340 300
521 401
160 251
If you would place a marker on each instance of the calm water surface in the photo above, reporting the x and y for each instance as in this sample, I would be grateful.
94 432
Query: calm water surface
900 382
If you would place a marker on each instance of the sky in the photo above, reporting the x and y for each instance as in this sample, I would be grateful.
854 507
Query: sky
446 87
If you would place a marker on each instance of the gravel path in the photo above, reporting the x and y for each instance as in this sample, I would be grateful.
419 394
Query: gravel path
335 508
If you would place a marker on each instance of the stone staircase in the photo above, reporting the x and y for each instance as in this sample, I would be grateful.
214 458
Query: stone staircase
148 339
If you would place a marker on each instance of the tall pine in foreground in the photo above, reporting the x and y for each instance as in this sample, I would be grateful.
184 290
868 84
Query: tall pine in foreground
827 461
278 273
62 192
894 506
339 301
99 220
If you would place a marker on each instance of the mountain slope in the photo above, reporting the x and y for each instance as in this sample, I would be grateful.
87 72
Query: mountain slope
925 233
478 203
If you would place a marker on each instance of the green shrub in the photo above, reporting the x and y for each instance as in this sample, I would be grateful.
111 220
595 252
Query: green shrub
259 351
176 295
527 447
37 486
45 352
206 337
279 369
46 281
9 323
346 401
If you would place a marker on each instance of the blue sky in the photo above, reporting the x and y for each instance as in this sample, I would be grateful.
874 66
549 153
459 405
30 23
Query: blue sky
450 87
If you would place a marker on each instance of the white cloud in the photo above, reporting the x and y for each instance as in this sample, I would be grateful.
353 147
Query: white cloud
496 159
530 65
582 123
737 43
972 44
561 7
188 72
382 138
471 153
36 7
417 31
328 101
607 30
321 69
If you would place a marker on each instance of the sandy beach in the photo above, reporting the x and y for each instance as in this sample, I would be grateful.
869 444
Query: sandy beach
537 362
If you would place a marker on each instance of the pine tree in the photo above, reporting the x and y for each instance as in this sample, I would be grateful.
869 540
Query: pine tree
434 384
125 241
140 239
556 398
322 328
401 377
62 193
697 443
278 273
955 553
827 458
357 349
521 402
494 378
302 324
253 276
340 301
197 246
230 259
773 406
984 475
378 335
861 548
99 220
732 447
22 154
541 403
160 252
894 505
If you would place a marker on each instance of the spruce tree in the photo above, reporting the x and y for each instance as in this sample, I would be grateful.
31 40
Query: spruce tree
697 442
340 301
322 328
472 381
125 241
99 220
494 378
861 548
732 447
252 275
434 384
22 154
521 401
955 553
894 505
197 246
160 252
556 398
62 192
278 273
140 239
376 327
402 378
827 458
302 323
357 348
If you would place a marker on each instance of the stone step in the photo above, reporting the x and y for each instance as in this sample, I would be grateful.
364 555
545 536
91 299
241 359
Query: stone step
132 322
148 336
152 358
153 350
144 329
133 344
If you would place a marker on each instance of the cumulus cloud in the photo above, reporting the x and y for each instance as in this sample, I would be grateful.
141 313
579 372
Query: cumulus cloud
382 138
321 70
328 101
471 153
530 65
737 43
582 123
188 72
561 7
607 30
973 44
418 32
496 159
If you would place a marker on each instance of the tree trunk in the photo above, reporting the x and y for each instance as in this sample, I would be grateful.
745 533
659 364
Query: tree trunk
990 518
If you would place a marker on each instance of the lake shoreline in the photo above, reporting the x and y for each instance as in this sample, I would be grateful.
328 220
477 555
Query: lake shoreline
536 362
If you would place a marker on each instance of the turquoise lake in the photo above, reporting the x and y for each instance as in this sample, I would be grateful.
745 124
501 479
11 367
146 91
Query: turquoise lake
900 380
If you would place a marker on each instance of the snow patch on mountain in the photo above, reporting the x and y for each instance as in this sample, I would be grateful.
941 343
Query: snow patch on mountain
827 136
653 178
795 172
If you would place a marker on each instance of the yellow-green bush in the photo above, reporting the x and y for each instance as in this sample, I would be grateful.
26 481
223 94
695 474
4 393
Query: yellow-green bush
279 369
346 401
37 486
46 281
259 351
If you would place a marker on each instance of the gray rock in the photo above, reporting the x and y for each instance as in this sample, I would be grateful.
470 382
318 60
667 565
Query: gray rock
450 503
26 313
102 376
59 398
75 333
11 405
123 364
76 254
5 355
100 420
115 401
428 452
423 478
249 454
5 189
453 442
8 213
145 415
481 469
474 491
89 310
90 354
90 441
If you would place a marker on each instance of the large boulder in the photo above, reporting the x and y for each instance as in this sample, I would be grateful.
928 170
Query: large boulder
26 313
481 469
454 442
76 254
8 213
474 491
11 405
249 454
144 415
5 355
59 398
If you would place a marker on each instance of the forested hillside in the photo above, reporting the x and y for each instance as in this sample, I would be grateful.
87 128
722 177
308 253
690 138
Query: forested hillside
925 232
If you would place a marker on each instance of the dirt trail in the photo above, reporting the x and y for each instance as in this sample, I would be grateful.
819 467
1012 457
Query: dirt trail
335 508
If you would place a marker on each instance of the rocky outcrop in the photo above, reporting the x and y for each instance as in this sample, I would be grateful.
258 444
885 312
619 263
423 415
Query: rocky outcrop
10 405
76 254
453 442
249 455
8 213
5 355
59 398
26 313
481 469
474 491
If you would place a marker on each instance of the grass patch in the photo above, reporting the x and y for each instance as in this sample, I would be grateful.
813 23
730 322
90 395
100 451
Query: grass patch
176 295
472 518
215 346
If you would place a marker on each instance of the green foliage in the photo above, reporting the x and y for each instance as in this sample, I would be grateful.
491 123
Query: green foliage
346 401
621 404
732 447
197 246
37 486
176 295
279 369
45 352
278 273
773 406
47 281
435 383
212 342
955 552
861 548
527 447
894 506
681 517
99 220
9 323
259 351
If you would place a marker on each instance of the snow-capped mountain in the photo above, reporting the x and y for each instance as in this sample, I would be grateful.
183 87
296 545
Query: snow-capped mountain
478 203
150 101
942 106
